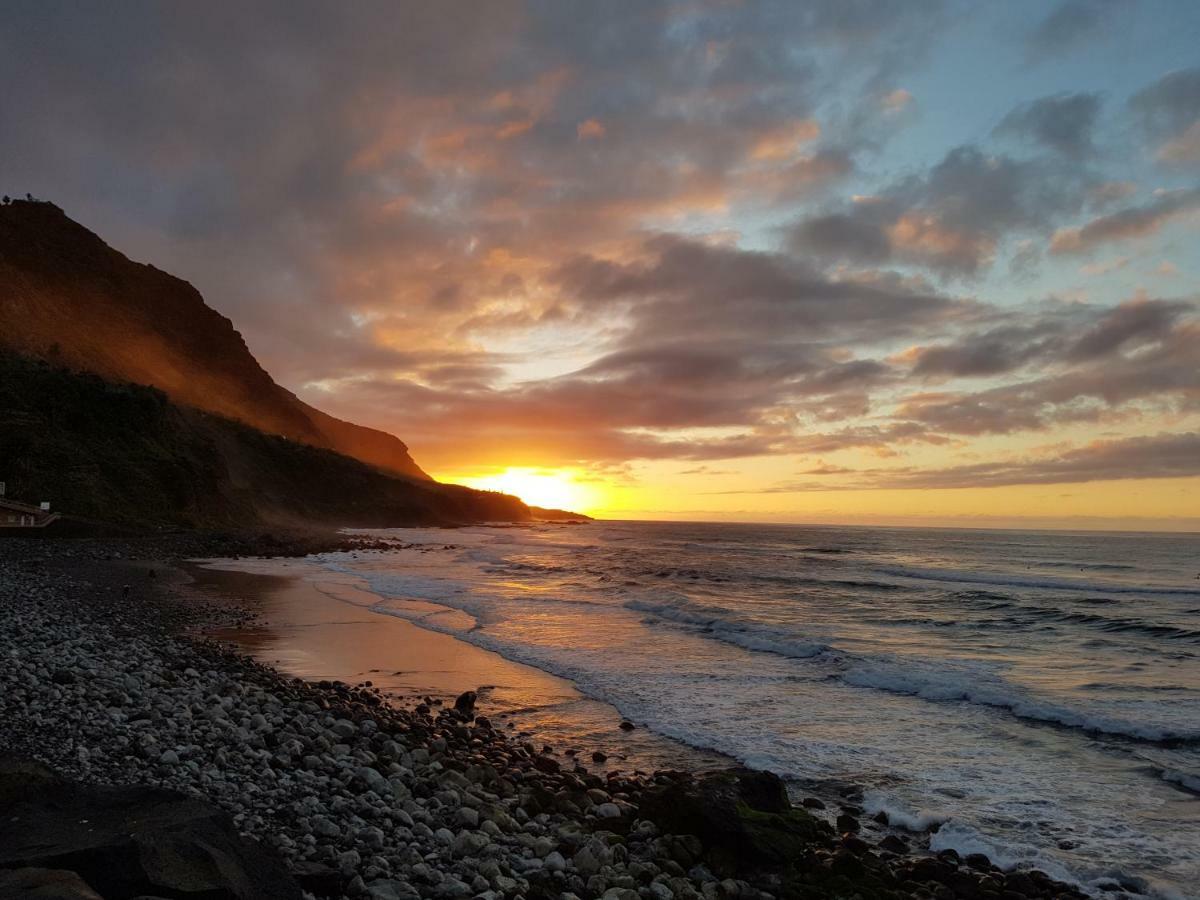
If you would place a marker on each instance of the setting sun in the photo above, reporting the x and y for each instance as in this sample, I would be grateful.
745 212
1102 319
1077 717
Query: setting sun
549 488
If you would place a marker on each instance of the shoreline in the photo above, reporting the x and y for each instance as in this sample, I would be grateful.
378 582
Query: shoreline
324 627
360 797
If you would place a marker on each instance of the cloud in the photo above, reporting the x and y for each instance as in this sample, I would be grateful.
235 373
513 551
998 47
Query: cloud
544 233
1163 455
1169 114
1126 224
896 101
1070 24
590 129
1136 322
951 218
843 236
1088 364
993 352
1184 148
1062 122
719 292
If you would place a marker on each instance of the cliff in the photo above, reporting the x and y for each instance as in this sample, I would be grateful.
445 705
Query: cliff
69 298
125 454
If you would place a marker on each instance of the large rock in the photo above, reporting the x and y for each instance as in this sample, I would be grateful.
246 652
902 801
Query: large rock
743 818
131 841
44 884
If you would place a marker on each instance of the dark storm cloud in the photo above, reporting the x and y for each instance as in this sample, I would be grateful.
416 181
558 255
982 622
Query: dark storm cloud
1063 123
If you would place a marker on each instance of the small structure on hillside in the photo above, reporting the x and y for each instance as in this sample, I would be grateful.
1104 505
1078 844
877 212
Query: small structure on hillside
23 515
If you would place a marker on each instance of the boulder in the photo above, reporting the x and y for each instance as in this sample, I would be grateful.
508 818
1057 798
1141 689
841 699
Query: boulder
44 884
742 817
465 703
131 840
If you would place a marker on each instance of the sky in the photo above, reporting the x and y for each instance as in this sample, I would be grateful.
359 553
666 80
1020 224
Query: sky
856 261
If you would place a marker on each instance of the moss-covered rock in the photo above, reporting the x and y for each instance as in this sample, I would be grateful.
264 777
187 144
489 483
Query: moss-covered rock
742 817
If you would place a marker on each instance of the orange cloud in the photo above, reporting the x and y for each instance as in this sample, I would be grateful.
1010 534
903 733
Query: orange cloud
1134 222
925 237
896 100
784 142
592 128
1184 148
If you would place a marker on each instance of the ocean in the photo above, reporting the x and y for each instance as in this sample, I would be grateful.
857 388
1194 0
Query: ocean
1036 694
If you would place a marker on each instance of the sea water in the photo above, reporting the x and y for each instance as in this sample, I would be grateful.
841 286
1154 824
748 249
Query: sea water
1037 695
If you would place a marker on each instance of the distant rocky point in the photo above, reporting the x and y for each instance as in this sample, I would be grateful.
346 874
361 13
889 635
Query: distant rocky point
558 515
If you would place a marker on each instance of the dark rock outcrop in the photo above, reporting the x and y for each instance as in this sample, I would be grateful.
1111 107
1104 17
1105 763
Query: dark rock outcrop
742 817
126 842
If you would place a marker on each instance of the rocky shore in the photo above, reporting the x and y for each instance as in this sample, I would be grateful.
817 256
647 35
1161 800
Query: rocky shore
354 797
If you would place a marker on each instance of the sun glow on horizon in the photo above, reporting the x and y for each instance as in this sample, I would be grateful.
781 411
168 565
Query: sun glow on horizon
548 488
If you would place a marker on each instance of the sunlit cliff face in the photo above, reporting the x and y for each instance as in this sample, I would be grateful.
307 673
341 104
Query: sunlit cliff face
819 261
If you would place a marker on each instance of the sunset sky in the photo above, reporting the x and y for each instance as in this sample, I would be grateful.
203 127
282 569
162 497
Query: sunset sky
911 262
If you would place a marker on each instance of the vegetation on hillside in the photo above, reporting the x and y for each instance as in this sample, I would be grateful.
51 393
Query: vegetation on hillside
126 454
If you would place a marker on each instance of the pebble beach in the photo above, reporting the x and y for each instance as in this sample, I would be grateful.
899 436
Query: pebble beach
106 679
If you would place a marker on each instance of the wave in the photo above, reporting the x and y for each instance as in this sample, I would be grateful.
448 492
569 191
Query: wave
732 631
946 686
900 816
964 576
898 678
1189 782
1089 567
1112 624
1011 855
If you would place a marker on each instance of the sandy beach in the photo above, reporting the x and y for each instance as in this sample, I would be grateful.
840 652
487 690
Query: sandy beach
320 626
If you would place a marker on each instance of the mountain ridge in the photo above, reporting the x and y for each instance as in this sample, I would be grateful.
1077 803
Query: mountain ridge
125 399
72 299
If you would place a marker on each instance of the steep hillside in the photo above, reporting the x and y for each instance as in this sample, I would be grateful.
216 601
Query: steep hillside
126 454
67 297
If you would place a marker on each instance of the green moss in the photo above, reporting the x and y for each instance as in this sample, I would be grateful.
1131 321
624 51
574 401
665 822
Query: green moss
785 835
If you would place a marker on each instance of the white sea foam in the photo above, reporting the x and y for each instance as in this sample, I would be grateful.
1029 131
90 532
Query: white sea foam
975 686
900 815
963 839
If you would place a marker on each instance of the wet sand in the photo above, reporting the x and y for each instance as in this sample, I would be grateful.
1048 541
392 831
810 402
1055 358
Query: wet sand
318 625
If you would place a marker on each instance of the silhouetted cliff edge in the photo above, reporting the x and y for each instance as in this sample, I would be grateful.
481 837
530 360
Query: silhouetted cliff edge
125 399
68 297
